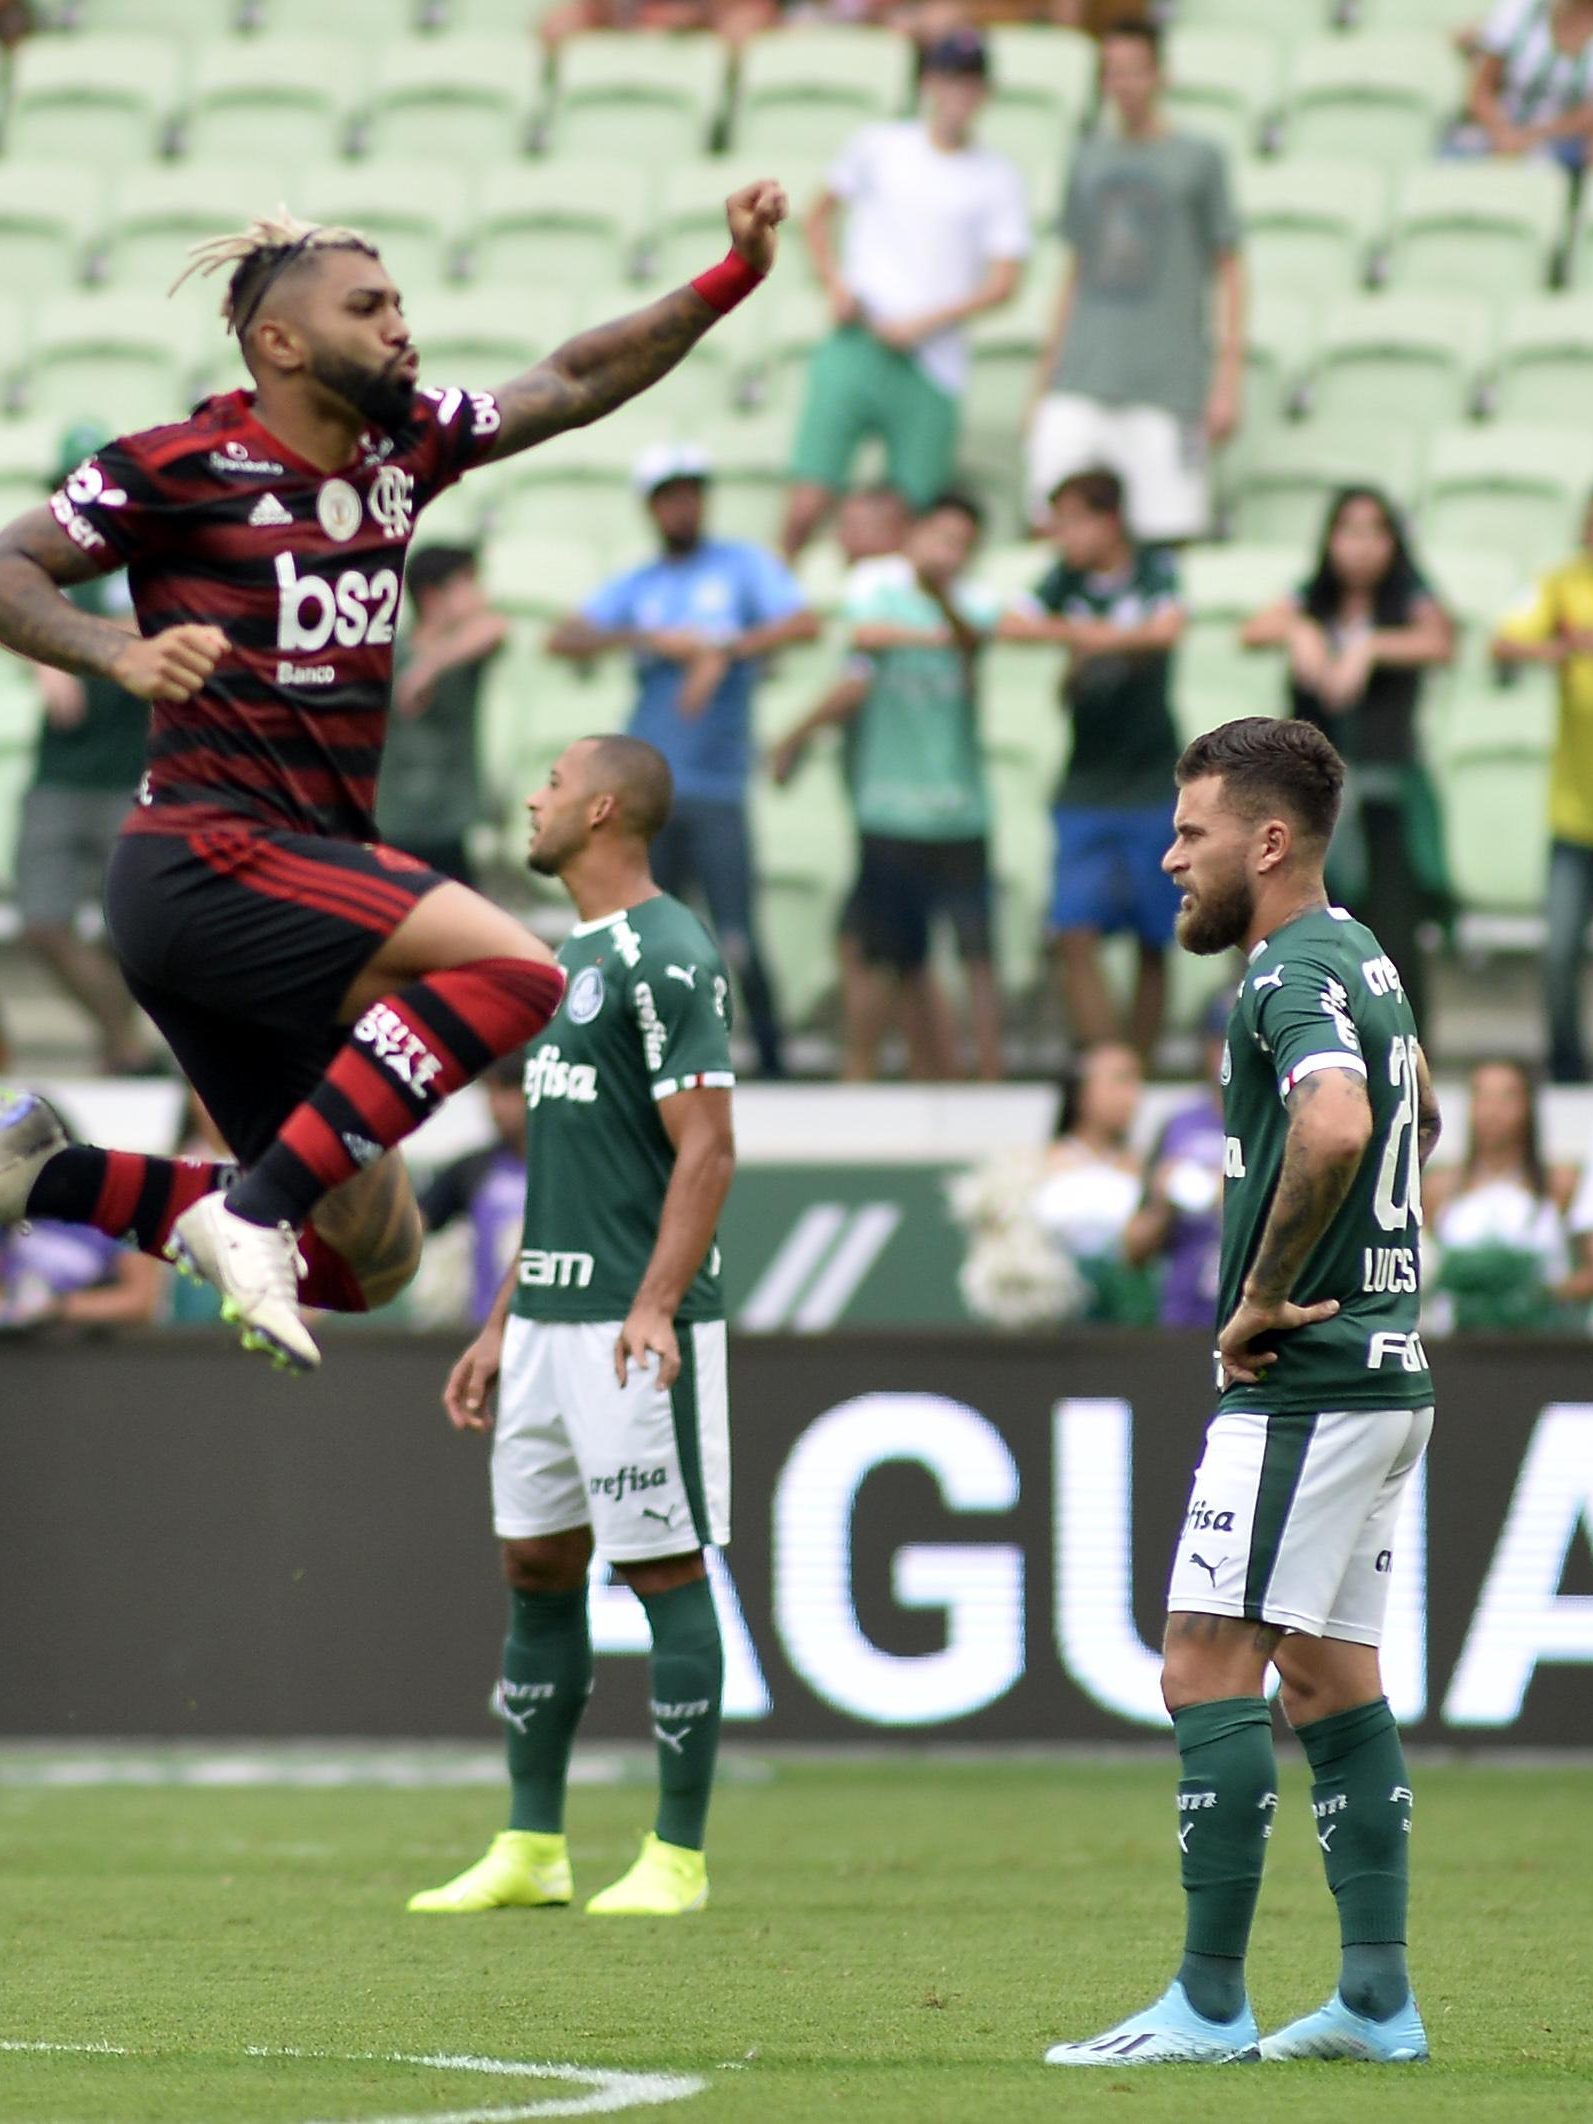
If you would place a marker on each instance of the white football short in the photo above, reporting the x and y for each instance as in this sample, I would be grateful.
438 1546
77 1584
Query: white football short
646 1468
1291 1519
1163 462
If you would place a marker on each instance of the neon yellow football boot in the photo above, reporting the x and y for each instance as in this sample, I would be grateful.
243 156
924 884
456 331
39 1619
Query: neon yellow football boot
666 1881
523 1870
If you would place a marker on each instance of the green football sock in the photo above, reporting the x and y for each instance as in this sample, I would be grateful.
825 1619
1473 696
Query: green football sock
1227 1797
547 1678
1362 1802
688 1680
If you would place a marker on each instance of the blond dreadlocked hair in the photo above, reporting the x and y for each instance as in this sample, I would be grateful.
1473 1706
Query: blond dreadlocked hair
259 253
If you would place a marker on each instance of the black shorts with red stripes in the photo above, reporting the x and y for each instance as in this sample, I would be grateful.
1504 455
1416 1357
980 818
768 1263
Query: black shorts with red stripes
241 943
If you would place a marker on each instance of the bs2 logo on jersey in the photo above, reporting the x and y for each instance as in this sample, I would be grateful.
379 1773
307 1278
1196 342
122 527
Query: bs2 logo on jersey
354 609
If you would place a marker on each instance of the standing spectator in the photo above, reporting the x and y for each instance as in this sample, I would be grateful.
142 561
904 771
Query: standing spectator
1115 606
87 766
1128 377
1360 636
698 620
488 1187
1498 1219
1531 89
917 779
431 780
936 232
1180 1218
1554 625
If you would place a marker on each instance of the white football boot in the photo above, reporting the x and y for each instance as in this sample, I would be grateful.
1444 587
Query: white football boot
256 1268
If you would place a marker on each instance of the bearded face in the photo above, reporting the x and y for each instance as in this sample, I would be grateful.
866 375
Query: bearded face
1217 915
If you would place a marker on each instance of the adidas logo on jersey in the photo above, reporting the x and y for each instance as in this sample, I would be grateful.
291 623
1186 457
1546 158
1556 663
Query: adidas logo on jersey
269 511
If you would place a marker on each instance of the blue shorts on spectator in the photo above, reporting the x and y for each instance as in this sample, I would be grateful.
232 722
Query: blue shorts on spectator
1109 875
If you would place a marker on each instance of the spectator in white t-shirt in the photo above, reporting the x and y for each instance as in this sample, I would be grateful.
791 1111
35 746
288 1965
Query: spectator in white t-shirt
936 232
1531 88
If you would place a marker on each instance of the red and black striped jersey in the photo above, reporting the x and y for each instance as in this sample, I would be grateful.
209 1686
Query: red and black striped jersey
218 522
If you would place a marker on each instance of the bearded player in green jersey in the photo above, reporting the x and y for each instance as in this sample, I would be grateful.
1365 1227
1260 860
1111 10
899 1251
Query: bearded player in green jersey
1326 1408
607 1341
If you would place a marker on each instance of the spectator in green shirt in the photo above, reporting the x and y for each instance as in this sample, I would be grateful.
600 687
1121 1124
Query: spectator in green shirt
430 793
1114 606
86 767
910 710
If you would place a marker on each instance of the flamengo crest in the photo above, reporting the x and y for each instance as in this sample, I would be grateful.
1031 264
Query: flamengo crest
392 500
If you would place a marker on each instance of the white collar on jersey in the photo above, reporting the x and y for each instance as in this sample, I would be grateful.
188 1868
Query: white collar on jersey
586 929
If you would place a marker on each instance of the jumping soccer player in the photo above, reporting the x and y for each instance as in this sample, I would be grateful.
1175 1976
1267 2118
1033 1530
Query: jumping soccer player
1327 1407
321 992
609 1335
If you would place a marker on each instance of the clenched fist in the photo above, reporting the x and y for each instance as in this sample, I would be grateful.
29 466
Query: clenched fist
754 213
171 665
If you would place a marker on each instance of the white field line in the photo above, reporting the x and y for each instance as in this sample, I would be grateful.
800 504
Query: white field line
608 2090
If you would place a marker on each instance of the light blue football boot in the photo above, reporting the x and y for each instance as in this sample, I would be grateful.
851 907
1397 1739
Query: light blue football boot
31 1132
1168 2033
1334 2031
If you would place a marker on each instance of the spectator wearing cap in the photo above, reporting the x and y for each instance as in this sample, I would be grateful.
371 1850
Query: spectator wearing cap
698 620
86 768
937 229
1128 376
430 794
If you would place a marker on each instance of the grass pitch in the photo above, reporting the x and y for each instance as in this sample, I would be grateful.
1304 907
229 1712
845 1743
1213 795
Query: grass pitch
890 1941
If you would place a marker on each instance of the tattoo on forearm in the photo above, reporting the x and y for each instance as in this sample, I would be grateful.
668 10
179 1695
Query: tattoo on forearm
38 622
1309 1194
598 370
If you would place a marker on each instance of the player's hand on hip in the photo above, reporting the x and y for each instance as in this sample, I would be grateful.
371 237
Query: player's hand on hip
171 665
1242 1364
754 213
467 1396
648 1332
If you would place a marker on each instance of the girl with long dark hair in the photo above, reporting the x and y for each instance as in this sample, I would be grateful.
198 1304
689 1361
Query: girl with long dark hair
1361 634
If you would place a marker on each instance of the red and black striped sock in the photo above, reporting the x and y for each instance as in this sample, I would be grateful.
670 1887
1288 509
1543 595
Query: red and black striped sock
128 1196
406 1055
122 1193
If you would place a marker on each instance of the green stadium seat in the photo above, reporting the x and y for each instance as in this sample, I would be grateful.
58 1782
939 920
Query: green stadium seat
1489 229
16 771
49 213
1367 99
489 18
1042 86
29 458
1282 498
478 338
466 100
1476 585
577 484
685 218
805 91
371 21
1280 344
1020 703
1407 358
1545 371
751 460
790 327
1222 84
118 359
414 212
190 20
20 707
1496 829
1005 345
109 99
1444 16
280 100
646 99
1508 489
158 213
804 854
1309 226
533 705
1297 19
542 578
564 223
1022 858
1214 678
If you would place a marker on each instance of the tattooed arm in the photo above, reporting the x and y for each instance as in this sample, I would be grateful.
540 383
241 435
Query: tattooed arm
598 370
36 558
1330 1125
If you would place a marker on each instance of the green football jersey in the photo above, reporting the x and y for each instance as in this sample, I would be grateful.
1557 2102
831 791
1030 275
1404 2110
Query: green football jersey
646 1013
1321 993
